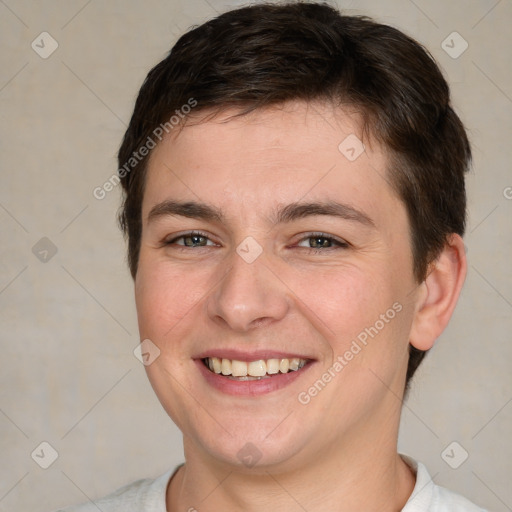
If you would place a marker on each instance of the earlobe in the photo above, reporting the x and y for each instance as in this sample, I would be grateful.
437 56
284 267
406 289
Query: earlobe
438 294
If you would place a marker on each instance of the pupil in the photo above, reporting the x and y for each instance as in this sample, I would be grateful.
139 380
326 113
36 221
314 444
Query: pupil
191 241
320 242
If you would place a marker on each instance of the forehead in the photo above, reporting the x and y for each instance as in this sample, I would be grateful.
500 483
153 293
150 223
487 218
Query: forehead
299 151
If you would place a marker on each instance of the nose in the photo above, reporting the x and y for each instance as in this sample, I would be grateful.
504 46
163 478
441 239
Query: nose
249 296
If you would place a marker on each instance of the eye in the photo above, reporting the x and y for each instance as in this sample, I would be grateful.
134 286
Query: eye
321 241
192 239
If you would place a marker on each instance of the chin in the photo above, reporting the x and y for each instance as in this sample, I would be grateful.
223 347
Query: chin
253 448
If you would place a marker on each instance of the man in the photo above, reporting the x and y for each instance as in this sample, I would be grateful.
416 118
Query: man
294 206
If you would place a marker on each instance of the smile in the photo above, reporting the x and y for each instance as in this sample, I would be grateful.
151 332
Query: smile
259 374
252 370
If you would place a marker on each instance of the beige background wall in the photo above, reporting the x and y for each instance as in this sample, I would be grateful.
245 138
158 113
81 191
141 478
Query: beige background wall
68 327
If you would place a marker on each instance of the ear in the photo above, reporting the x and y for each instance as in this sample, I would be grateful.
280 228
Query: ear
438 294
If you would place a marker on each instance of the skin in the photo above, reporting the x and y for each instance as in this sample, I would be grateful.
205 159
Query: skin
339 451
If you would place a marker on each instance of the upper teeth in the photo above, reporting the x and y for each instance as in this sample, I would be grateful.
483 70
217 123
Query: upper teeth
257 368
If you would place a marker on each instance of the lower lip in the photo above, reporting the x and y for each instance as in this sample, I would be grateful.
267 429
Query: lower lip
250 387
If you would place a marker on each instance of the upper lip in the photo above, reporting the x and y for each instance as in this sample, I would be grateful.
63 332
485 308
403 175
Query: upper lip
254 355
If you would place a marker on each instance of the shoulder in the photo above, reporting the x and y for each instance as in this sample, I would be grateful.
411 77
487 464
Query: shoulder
430 497
142 495
444 500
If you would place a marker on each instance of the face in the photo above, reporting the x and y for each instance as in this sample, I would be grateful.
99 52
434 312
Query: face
269 249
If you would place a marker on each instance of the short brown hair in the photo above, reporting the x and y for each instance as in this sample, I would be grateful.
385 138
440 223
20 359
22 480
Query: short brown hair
267 54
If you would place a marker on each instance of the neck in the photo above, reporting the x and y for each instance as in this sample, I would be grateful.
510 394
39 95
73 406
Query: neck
357 475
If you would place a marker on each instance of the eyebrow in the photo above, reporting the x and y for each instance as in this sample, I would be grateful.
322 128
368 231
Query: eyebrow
189 209
288 213
295 211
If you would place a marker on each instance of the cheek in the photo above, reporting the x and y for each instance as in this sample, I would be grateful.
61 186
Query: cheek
164 296
367 321
346 299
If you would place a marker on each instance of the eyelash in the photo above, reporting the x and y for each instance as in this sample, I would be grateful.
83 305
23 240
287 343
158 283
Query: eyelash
336 243
186 235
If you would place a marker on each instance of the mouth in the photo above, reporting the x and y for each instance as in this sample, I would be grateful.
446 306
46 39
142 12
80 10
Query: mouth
253 376
253 370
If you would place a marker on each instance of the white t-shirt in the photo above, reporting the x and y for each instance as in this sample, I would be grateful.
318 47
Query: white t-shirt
148 495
